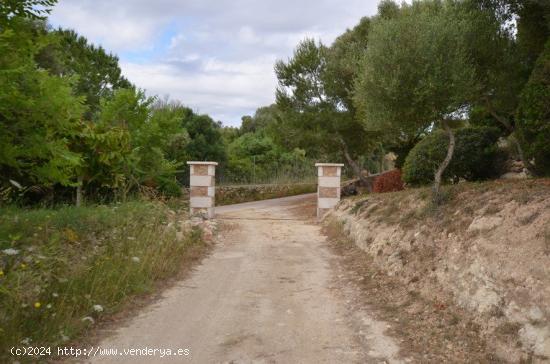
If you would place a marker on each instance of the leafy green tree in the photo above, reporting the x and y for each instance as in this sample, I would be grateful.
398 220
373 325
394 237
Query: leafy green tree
505 56
477 156
39 115
247 124
113 151
264 117
314 95
206 140
417 72
187 136
98 73
285 129
533 26
14 10
139 138
108 159
500 66
533 120
229 133
255 157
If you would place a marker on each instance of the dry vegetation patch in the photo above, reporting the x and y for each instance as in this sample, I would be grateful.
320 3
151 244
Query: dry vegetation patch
65 271
430 330
486 249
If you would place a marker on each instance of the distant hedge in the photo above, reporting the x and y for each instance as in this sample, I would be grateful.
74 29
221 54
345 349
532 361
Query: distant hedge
533 119
476 156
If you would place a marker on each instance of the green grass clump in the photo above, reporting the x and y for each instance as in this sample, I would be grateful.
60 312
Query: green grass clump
62 269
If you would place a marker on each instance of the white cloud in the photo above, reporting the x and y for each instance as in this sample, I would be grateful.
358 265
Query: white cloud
213 55
109 26
224 90
248 36
176 41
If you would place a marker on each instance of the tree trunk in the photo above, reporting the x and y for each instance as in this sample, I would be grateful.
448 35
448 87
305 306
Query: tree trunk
354 166
79 192
526 164
446 161
511 130
358 171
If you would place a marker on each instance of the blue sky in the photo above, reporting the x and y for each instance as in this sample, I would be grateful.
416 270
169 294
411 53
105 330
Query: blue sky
216 57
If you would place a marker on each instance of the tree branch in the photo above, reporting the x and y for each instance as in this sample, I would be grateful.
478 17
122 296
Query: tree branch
501 119
446 161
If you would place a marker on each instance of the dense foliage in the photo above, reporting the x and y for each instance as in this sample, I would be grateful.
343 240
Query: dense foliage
62 269
97 72
71 125
261 151
477 157
39 114
314 94
533 120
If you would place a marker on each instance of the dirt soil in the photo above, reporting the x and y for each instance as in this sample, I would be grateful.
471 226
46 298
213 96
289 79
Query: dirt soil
268 293
485 253
429 331
275 289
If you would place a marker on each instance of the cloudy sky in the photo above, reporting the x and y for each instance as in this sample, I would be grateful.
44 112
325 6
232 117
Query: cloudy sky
215 56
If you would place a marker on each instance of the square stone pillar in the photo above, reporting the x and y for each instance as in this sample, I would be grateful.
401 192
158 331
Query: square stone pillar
202 188
328 187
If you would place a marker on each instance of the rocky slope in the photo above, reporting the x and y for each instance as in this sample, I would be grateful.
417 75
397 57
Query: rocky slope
487 247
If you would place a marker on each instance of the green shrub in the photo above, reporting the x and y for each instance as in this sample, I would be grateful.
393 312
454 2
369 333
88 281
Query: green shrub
170 188
476 156
533 119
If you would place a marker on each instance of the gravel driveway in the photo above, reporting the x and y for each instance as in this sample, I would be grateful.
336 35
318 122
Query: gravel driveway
266 294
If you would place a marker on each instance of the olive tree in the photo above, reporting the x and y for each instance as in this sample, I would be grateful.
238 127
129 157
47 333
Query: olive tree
314 93
416 72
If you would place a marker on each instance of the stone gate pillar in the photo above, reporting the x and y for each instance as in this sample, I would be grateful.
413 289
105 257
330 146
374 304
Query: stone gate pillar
328 187
202 188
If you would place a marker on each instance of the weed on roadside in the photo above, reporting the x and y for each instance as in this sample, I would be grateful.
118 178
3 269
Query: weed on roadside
358 206
64 269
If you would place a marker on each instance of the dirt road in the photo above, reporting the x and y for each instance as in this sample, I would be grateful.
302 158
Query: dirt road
267 294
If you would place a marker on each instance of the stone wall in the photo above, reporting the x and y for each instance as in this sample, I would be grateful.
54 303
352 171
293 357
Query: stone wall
226 195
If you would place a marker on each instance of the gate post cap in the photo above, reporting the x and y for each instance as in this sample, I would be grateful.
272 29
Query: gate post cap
329 164
198 162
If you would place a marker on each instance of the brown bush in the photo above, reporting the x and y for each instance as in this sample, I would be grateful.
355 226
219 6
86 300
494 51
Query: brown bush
388 182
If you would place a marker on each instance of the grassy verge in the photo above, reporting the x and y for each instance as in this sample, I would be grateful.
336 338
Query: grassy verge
61 270
227 195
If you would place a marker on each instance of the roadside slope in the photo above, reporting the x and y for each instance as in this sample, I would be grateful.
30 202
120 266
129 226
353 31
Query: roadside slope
487 247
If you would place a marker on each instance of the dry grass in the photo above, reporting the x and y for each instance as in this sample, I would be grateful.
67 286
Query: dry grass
415 206
431 331
547 242
444 235
71 268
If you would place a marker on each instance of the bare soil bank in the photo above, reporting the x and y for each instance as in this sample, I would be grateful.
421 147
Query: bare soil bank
487 249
